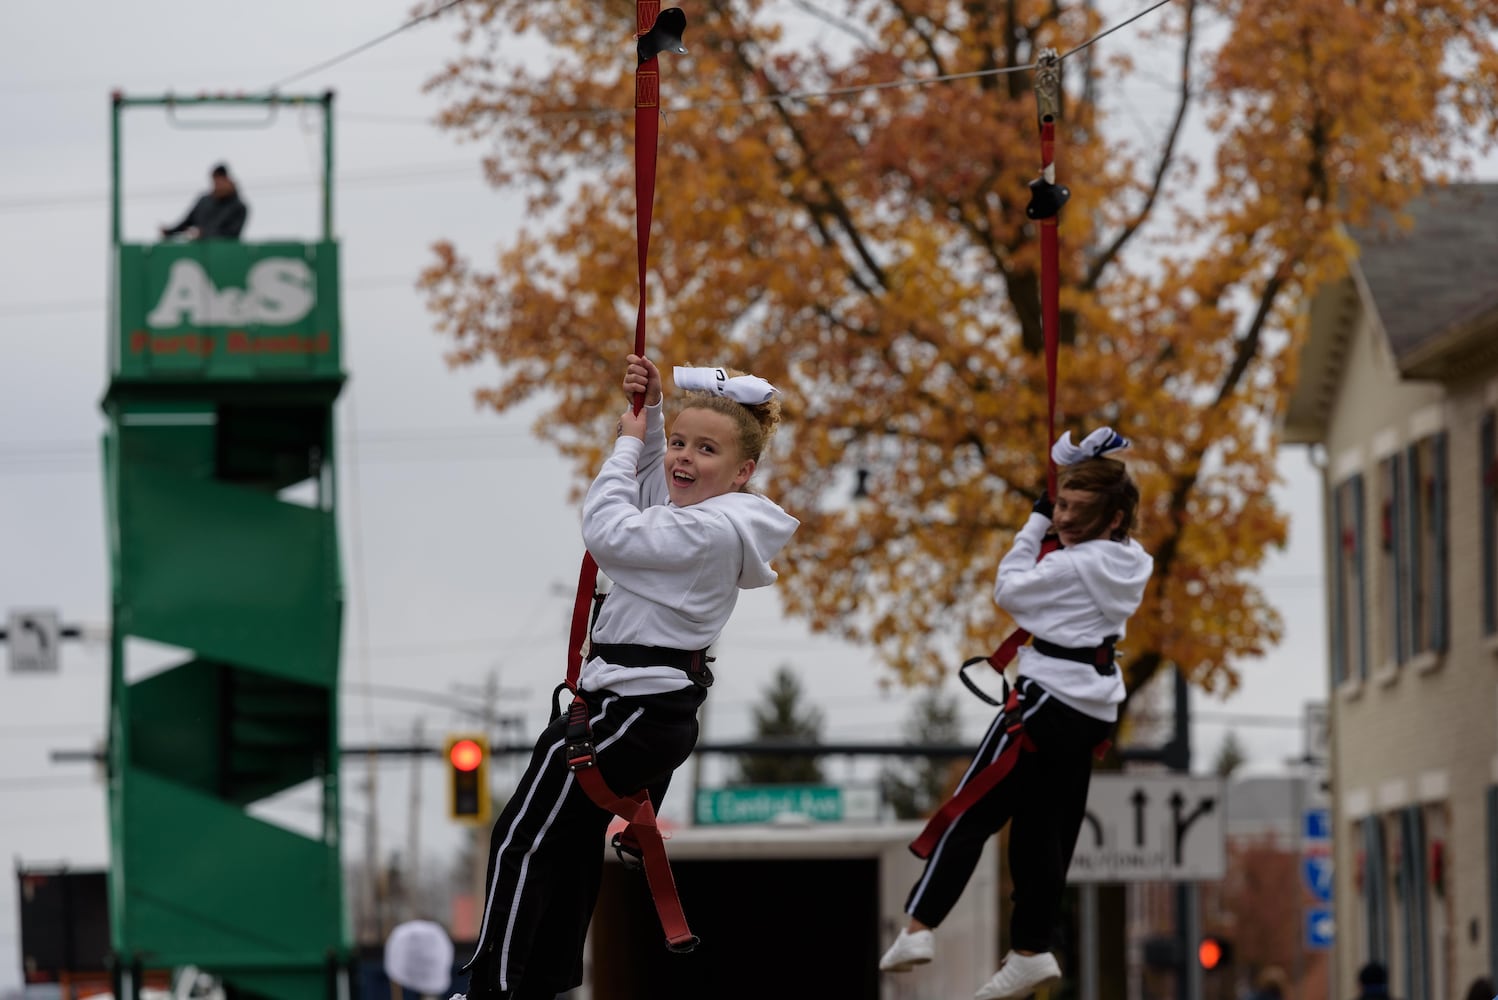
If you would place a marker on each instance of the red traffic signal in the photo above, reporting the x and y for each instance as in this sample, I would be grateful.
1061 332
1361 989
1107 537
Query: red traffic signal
1214 952
466 755
468 779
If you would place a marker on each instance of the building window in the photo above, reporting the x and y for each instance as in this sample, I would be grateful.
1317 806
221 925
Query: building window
1493 874
1411 881
1488 466
1394 640
1349 593
1439 916
1424 599
1373 874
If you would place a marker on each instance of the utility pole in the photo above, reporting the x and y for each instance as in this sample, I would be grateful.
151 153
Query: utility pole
1189 982
374 872
413 829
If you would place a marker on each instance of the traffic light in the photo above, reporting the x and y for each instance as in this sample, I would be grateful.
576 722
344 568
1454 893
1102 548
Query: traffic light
1214 952
468 778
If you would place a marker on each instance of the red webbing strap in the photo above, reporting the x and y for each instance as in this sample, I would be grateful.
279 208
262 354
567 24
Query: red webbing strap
647 131
582 606
1050 318
1050 297
980 785
647 128
635 810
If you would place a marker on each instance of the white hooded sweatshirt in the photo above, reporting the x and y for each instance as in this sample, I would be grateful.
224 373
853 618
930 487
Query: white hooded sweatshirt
676 572
1074 597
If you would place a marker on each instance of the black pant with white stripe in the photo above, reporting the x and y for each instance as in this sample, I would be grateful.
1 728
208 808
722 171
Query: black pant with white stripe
546 851
1045 798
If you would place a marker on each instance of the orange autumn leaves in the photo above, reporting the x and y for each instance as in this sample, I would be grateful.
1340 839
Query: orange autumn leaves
869 254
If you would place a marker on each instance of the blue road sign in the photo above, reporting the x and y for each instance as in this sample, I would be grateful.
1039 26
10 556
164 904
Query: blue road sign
1317 872
1318 824
1320 928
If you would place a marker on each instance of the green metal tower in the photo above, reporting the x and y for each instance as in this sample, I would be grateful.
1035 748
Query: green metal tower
224 367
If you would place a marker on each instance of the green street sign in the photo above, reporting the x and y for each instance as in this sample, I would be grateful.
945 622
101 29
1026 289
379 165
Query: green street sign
764 803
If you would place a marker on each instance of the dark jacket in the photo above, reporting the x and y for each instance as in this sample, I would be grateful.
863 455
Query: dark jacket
215 218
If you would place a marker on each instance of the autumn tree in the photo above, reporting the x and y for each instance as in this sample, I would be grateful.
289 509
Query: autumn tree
869 253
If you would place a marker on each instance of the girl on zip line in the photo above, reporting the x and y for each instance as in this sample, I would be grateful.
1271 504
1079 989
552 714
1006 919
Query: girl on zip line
670 521
1074 602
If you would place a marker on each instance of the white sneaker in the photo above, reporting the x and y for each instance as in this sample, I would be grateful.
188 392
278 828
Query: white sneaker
908 951
1019 976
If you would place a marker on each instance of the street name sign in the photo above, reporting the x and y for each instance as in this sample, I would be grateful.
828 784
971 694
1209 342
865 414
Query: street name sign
768 803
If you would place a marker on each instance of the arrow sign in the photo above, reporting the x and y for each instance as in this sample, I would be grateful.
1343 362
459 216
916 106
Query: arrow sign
1151 828
1182 824
33 639
1318 825
1320 928
1317 872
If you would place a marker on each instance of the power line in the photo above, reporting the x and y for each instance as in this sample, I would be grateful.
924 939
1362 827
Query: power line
63 306
46 783
79 458
325 64
356 178
416 435
1241 719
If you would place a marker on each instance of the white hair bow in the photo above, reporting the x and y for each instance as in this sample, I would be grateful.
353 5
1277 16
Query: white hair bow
750 390
1094 445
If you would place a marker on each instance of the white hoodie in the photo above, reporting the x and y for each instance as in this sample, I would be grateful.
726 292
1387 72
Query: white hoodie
1074 597
676 572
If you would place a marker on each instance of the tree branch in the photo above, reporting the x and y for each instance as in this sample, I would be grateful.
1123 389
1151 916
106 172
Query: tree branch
1101 262
834 204
929 42
851 30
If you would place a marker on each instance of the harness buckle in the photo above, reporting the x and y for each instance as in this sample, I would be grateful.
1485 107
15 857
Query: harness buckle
1106 654
698 671
580 750
580 755
631 856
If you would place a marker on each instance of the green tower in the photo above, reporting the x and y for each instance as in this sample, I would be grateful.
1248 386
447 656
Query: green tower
224 366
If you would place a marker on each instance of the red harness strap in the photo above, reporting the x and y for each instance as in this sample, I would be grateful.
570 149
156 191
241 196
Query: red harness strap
642 835
980 785
1046 200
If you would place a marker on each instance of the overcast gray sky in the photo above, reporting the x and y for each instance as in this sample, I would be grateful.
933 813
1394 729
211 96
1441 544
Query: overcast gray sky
460 548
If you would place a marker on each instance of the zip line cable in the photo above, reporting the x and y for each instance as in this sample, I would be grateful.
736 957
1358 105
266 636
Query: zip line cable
1108 31
917 81
23 203
327 63
805 95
